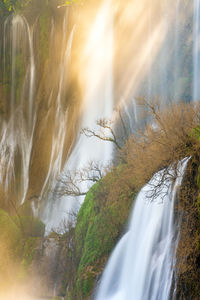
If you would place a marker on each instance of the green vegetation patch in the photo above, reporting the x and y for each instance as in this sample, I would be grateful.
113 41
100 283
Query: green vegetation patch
29 251
14 5
100 224
9 231
30 226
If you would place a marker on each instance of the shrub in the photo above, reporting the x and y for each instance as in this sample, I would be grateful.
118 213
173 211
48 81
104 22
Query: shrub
168 139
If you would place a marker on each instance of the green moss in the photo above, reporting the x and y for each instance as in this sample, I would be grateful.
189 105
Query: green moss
100 222
69 296
30 226
29 251
195 133
14 5
9 231
84 216
88 283
198 198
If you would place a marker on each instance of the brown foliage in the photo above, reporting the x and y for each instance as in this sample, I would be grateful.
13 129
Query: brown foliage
168 139
165 141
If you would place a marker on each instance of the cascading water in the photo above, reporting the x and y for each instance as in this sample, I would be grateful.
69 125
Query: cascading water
163 61
172 63
154 52
141 266
60 121
156 61
16 133
23 126
196 51
177 49
97 104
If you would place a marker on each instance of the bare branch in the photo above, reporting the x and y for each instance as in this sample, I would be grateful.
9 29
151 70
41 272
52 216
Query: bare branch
72 183
102 126
69 185
164 143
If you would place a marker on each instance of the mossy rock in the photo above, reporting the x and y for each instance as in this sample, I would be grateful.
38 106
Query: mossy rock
100 223
30 226
29 253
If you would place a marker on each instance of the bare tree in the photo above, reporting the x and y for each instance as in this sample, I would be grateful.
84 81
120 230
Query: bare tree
104 132
72 182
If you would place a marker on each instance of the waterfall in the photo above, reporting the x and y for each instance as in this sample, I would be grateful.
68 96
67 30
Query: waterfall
177 49
25 124
153 63
163 61
59 134
196 51
97 103
16 134
141 266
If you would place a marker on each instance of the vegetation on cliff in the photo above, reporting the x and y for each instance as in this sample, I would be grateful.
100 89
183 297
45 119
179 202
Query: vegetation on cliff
14 5
188 253
100 222
172 135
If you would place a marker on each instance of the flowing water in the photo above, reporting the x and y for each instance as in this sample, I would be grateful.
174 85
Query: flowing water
97 104
59 134
141 266
157 56
144 49
16 132
196 51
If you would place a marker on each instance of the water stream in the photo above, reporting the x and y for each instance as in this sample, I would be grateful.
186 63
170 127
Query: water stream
16 132
97 103
196 51
141 266
145 49
153 56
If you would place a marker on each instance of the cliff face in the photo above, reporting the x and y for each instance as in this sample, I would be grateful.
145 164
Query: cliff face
188 252
37 100
100 223
47 270
70 264
50 29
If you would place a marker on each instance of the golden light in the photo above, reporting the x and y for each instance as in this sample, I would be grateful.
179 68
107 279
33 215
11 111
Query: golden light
124 37
96 60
